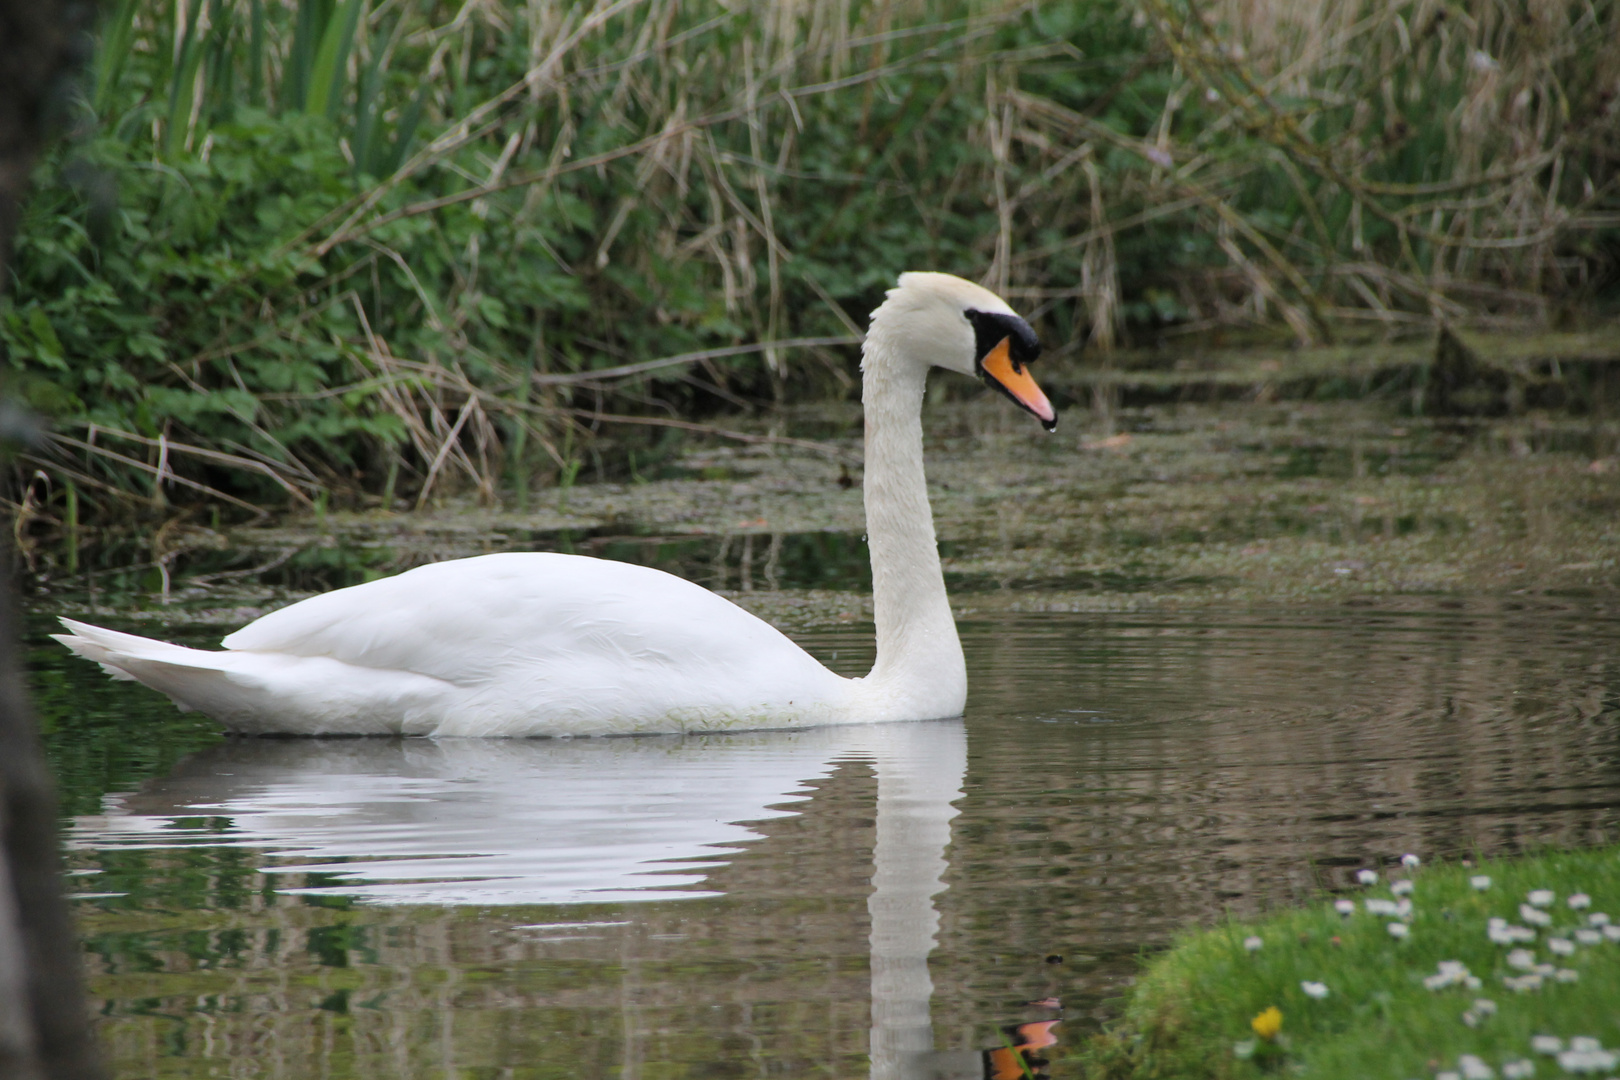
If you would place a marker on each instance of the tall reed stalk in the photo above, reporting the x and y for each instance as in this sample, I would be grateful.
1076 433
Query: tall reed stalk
405 247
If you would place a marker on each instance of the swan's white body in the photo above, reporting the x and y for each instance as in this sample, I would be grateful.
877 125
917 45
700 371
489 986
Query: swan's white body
516 644
546 644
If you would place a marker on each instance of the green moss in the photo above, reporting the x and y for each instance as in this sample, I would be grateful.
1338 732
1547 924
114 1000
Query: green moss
1189 1015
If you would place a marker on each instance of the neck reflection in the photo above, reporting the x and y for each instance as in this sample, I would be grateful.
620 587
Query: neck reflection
919 772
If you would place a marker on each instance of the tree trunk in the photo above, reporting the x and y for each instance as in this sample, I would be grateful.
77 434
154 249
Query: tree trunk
44 1027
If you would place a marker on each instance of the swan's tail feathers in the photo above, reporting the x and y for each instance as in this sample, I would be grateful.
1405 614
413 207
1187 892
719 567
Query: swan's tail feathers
111 649
268 693
191 678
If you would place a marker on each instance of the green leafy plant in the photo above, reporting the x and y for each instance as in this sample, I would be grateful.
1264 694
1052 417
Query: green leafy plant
388 252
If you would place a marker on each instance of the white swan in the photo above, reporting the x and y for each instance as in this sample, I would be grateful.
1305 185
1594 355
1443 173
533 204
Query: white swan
546 644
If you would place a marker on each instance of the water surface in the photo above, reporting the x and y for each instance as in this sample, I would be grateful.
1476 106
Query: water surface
785 904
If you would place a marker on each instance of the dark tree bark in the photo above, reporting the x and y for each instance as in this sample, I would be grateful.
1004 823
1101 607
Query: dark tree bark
42 46
44 1029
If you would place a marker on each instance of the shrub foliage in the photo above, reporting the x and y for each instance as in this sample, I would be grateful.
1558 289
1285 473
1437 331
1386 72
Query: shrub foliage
299 248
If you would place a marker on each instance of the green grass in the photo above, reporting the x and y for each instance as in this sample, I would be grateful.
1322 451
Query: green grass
1190 1013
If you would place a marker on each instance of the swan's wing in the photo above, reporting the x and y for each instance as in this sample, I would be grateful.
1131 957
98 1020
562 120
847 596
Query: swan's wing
515 644
471 621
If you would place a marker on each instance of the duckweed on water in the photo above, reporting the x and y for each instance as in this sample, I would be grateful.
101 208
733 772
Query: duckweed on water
1469 990
1187 504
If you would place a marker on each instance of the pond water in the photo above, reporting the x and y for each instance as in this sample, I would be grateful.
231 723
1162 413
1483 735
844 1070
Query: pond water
882 901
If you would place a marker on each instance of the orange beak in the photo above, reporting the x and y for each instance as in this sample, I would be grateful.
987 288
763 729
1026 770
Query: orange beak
1011 378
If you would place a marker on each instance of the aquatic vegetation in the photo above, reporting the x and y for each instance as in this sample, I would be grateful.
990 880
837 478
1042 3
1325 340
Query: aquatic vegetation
1197 513
1397 1008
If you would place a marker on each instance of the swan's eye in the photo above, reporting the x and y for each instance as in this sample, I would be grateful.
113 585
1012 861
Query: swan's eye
991 328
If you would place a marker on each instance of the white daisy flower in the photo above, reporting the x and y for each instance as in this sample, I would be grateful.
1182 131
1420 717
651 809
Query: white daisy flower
1505 933
1587 1055
1534 915
1451 972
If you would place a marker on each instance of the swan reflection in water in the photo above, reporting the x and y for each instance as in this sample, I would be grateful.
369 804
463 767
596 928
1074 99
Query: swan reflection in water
521 822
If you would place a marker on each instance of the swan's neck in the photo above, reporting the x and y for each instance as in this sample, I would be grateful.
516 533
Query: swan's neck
919 665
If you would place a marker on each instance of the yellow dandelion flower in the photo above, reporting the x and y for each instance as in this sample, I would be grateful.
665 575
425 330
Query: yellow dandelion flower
1268 1023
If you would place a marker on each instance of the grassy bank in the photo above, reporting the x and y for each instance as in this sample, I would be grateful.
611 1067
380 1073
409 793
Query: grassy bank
1450 994
325 252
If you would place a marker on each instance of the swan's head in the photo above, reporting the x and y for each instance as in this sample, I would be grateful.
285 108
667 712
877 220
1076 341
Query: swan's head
948 322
